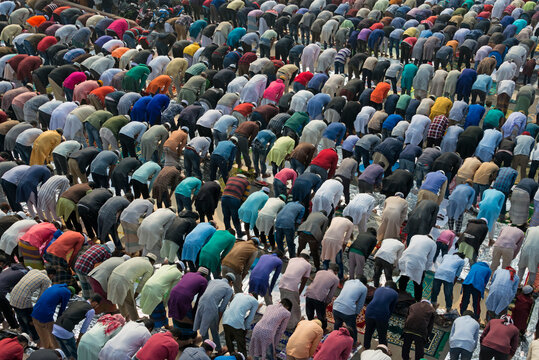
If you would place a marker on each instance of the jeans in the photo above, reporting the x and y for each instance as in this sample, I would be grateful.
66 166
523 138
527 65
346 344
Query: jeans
279 188
406 164
394 44
379 266
479 189
219 162
297 166
339 67
101 181
24 316
191 163
93 135
459 353
533 169
313 306
69 346
183 202
265 51
280 235
349 320
7 314
259 159
10 190
467 291
69 94
380 326
421 171
362 155
230 206
338 260
448 292
24 152
441 248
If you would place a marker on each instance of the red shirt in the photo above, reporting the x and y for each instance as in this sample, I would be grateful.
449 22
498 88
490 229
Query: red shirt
327 159
67 245
245 108
410 40
248 58
304 78
160 346
46 43
376 26
11 349
26 66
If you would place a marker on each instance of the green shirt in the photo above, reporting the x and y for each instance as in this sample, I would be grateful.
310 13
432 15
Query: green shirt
297 121
115 123
187 186
98 118
217 247
196 69
138 72
493 118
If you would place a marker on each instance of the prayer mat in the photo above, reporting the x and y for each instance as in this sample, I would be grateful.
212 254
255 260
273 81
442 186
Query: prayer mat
394 334
427 285
281 347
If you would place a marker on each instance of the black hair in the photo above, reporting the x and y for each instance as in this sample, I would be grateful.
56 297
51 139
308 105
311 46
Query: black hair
129 196
206 347
96 298
391 284
372 230
50 270
287 304
22 338
148 323
177 333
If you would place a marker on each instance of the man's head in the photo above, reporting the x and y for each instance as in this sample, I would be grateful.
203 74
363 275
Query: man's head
334 267
391 284
208 346
51 272
152 257
231 278
148 323
287 304
305 254
24 340
95 300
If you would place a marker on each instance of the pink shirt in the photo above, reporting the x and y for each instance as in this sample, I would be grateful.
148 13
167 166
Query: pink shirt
297 269
286 174
82 90
39 235
74 79
274 91
447 237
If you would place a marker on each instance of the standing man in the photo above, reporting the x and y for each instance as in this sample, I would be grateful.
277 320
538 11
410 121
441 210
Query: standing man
45 309
349 304
236 191
379 311
418 328
320 293
237 319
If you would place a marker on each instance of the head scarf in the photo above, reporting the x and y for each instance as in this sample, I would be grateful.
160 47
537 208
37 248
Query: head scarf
111 322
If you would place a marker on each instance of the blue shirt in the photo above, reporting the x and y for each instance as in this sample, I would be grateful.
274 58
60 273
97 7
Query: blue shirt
505 179
266 138
352 298
265 265
434 181
317 81
316 104
483 83
411 152
236 314
335 131
391 121
226 149
450 268
475 113
226 122
350 142
382 304
290 215
478 276
45 306
464 333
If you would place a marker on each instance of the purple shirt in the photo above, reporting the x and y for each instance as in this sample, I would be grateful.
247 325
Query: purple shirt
182 295
265 265
372 174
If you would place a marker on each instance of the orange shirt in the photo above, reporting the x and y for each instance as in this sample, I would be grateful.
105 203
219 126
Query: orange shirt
118 52
102 91
380 92
67 245
159 85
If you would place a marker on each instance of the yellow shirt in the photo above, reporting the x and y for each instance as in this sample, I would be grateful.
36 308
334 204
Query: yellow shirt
191 49
303 342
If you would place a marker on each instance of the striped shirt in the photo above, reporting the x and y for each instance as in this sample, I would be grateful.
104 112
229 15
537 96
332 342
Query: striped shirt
21 295
50 191
343 55
237 187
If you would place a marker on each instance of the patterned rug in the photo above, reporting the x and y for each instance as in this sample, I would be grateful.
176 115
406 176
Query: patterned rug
394 333
427 285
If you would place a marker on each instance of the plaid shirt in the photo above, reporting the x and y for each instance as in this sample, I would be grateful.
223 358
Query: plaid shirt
95 254
505 179
437 127
21 295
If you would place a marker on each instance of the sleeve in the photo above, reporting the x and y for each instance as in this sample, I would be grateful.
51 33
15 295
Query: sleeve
275 276
361 301
89 316
251 316
65 299
226 300
145 277
515 340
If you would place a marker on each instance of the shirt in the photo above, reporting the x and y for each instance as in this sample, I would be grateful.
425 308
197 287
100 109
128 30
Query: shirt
241 311
464 333
95 254
437 127
505 179
352 298
297 269
47 303
159 346
21 295
62 333
323 286
450 268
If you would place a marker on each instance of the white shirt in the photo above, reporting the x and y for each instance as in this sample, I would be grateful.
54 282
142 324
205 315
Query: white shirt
126 343
209 118
27 137
390 250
